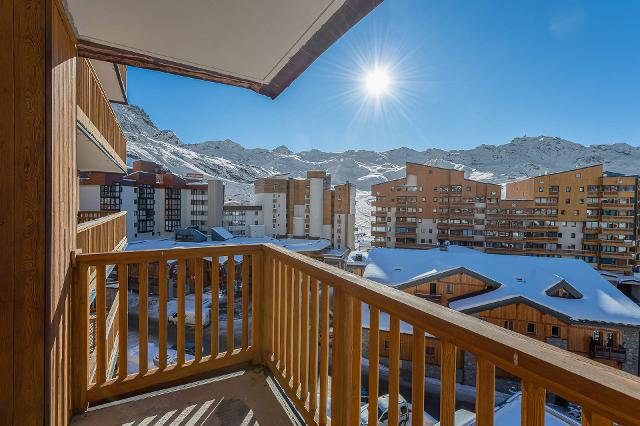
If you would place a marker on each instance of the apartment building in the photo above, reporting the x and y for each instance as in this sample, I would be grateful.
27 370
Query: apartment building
584 213
308 208
243 220
158 201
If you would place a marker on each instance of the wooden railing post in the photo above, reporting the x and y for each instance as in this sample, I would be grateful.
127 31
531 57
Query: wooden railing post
262 307
342 374
80 337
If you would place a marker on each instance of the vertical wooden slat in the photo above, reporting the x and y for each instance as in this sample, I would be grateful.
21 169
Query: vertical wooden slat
589 418
100 329
295 325
123 317
447 383
162 314
342 354
80 341
533 402
231 275
143 328
356 358
313 346
485 392
282 321
417 380
324 354
288 301
215 304
198 326
261 309
304 338
277 304
180 332
374 358
245 303
394 370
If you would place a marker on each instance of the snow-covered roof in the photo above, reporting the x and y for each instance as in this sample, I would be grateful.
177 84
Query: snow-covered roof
523 279
353 257
509 414
297 245
219 233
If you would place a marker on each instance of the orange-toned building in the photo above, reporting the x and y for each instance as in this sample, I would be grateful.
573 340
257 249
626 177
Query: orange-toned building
584 213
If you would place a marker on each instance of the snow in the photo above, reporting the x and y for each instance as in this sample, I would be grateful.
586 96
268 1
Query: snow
294 244
230 161
524 277
509 414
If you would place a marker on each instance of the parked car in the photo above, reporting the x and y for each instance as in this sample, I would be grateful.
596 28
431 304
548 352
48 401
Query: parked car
383 412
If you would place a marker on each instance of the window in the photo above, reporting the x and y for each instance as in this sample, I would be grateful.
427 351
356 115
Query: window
430 351
508 325
449 288
581 189
433 288
567 189
555 331
531 328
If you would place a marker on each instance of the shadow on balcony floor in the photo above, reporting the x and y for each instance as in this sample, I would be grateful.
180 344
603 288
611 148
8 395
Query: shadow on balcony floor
247 397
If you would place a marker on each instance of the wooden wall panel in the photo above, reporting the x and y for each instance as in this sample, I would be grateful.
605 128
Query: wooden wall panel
63 197
37 221
7 219
29 210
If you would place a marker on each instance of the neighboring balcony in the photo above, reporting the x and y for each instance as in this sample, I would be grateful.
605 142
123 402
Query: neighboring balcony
99 232
613 353
298 333
101 145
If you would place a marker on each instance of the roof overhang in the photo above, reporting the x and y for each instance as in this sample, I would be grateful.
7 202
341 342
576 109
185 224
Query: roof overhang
447 273
256 44
112 80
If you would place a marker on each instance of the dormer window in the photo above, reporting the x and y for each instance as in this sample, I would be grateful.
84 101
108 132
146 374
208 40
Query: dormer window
563 290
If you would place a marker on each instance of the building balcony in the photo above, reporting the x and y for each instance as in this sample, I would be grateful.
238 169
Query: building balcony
613 353
101 145
283 331
378 213
106 232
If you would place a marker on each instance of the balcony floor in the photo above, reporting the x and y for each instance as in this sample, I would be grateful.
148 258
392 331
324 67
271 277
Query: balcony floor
246 397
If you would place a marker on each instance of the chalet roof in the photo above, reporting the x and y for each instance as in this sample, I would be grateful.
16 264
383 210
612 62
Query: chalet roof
231 42
522 279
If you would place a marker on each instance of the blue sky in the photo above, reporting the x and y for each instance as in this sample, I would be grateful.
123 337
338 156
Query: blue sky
463 72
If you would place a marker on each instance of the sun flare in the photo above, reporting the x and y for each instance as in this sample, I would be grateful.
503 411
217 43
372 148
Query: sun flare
377 82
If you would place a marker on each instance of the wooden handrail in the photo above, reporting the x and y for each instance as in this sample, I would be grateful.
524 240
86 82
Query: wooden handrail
93 101
292 336
104 234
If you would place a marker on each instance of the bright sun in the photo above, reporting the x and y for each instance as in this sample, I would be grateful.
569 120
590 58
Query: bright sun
377 82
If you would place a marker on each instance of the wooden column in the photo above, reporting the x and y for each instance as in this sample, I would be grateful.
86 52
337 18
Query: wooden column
38 194
342 395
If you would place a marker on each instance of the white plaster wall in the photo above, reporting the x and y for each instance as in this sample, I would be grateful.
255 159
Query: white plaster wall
566 231
315 207
89 197
129 199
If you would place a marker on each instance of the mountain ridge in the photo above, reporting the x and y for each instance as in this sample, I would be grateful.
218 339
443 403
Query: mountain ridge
522 157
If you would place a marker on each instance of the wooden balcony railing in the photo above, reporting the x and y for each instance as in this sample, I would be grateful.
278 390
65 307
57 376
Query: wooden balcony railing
95 106
104 234
286 304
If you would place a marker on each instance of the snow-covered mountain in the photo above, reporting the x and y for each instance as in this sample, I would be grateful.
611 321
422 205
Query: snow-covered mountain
522 157
239 166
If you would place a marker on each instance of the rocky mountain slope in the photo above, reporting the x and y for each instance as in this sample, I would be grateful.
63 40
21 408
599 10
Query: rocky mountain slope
522 157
